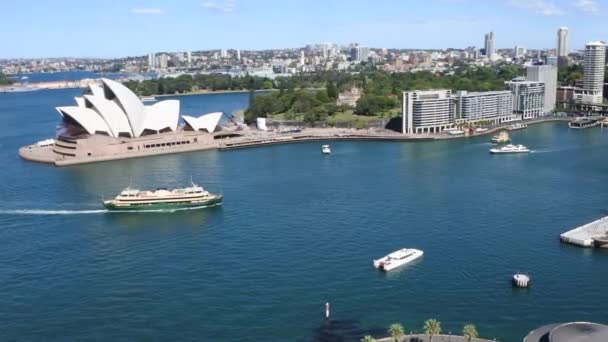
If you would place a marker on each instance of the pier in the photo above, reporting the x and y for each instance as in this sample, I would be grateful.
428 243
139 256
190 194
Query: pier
583 235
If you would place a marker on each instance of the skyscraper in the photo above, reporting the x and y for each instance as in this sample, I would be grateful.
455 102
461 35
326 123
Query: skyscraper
546 74
593 77
489 44
151 60
238 54
562 42
359 54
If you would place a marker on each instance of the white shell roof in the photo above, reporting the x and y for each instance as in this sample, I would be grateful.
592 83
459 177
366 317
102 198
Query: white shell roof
86 117
111 113
164 114
208 121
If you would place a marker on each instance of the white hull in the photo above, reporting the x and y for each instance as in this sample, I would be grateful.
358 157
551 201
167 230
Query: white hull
325 149
495 151
397 259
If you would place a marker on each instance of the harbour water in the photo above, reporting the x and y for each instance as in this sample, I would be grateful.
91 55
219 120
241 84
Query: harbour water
296 230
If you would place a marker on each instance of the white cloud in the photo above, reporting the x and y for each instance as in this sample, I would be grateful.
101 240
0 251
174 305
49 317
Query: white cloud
587 6
225 6
147 11
543 7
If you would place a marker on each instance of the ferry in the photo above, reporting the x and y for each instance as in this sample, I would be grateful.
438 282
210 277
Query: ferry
325 149
191 197
501 138
397 259
516 127
510 149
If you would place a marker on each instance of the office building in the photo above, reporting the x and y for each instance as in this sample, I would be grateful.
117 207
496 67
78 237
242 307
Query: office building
493 106
546 74
430 111
593 76
562 42
528 98
489 44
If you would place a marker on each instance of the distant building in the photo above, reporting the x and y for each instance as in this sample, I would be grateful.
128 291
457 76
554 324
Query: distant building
493 106
429 111
151 60
562 42
520 52
238 54
548 75
189 58
359 54
349 97
552 60
489 44
528 98
224 53
163 61
593 76
566 97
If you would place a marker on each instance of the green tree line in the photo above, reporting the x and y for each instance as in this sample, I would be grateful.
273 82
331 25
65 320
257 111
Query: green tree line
188 83
4 80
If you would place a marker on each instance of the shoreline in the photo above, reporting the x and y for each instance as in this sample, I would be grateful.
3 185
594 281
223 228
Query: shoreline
436 338
211 92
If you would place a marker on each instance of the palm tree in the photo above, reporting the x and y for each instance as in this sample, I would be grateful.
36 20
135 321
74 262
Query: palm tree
432 327
469 332
368 338
396 331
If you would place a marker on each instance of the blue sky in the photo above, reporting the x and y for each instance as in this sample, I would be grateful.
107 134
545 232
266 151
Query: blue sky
135 27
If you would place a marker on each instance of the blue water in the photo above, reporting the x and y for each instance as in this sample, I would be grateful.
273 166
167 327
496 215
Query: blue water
298 229
67 76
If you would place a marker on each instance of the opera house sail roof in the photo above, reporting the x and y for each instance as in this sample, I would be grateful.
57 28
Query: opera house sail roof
112 109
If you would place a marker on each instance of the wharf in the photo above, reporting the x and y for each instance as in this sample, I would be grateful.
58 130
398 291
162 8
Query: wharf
436 338
583 235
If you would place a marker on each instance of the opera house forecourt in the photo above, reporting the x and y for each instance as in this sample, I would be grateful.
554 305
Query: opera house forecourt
110 122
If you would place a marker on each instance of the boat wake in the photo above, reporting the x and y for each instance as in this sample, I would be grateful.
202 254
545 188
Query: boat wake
51 212
98 211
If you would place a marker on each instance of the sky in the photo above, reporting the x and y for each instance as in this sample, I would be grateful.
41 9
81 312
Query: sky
77 28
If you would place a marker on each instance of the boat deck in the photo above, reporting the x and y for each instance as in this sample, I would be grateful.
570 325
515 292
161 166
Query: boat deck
583 235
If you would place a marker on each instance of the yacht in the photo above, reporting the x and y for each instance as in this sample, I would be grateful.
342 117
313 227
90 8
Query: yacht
162 198
325 149
510 149
397 259
501 138
516 127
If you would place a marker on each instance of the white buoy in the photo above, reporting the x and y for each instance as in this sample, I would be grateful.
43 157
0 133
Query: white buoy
521 280
326 310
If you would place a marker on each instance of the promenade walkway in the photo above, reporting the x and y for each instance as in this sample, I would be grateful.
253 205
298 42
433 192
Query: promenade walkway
436 338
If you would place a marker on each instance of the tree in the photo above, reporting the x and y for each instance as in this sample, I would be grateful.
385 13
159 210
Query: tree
432 327
469 332
368 338
396 331
267 84
332 91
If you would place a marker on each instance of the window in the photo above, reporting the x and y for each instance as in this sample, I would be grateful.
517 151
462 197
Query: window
130 148
195 139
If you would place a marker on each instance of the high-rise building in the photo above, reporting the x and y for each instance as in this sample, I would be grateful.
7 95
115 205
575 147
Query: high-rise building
151 60
593 77
359 54
520 52
224 53
163 61
489 44
562 42
238 54
189 58
528 97
429 111
546 74
494 106
302 59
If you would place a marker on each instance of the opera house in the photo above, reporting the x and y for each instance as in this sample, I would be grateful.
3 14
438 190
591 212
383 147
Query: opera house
110 122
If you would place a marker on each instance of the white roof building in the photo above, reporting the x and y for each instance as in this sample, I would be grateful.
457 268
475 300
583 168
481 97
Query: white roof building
114 110
206 122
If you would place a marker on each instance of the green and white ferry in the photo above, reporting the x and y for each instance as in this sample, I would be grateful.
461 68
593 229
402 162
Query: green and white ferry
187 198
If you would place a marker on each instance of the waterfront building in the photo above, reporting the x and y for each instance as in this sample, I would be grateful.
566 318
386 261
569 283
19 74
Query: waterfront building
493 106
562 43
489 44
110 122
429 111
593 76
548 75
528 98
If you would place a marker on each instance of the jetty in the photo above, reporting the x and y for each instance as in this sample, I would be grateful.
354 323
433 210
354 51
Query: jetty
583 235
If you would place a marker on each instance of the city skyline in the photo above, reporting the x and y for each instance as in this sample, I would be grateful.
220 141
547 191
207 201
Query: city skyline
134 28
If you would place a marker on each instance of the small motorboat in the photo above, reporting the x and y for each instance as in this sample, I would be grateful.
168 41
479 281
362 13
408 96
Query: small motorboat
325 149
397 259
510 149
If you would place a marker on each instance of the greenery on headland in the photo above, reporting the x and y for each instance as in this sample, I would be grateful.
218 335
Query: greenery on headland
199 82
4 80
431 327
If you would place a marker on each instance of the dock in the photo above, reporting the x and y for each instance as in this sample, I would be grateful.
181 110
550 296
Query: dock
583 235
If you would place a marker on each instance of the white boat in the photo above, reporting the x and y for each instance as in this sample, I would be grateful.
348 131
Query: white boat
325 149
510 149
455 132
397 259
481 130
148 99
517 126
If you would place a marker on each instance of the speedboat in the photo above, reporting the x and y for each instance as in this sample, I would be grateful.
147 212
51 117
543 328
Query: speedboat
397 259
325 149
500 138
191 197
510 149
